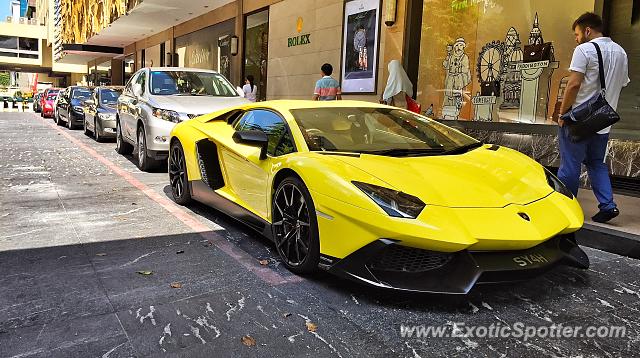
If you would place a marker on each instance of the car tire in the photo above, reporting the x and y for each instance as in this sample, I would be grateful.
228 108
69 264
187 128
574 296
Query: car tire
295 226
145 163
86 130
70 125
57 118
122 147
178 178
96 131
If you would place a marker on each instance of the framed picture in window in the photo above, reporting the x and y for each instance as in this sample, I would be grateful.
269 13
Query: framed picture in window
360 46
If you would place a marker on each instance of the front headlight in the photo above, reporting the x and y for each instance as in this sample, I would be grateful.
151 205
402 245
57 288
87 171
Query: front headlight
394 203
167 115
558 185
78 109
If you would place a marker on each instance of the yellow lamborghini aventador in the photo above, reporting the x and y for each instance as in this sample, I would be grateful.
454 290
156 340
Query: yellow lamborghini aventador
377 194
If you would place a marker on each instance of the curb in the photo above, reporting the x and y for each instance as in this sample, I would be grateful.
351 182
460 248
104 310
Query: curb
609 240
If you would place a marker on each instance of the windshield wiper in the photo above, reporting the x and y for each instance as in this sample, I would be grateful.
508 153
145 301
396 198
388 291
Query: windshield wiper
406 152
464 148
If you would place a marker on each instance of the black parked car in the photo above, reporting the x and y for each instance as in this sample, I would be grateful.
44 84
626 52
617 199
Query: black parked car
100 112
69 106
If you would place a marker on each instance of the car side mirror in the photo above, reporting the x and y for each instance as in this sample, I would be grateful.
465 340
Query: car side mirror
254 138
240 91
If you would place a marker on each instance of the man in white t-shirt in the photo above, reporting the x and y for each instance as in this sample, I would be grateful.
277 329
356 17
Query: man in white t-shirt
583 84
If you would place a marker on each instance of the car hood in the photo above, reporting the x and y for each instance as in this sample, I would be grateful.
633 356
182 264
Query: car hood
107 108
481 178
195 104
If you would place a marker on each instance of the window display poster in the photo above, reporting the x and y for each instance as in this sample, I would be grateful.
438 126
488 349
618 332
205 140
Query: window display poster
498 60
360 46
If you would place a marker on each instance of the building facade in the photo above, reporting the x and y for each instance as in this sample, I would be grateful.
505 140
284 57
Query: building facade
493 68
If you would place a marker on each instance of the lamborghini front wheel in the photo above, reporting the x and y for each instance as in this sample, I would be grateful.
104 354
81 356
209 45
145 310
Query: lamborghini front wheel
295 226
178 175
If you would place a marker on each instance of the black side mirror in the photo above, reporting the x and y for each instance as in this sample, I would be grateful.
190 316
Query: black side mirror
253 137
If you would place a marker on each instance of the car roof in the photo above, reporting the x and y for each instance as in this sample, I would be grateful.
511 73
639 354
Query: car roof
286 105
110 87
181 69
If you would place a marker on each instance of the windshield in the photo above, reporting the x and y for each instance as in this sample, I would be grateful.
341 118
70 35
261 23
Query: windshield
109 96
81 93
377 131
52 96
190 83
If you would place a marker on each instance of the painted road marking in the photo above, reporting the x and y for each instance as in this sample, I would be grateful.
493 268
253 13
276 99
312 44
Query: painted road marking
247 261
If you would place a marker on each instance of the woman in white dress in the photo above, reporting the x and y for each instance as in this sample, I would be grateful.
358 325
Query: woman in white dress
250 89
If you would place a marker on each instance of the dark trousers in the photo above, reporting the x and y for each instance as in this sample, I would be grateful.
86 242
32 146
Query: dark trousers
590 152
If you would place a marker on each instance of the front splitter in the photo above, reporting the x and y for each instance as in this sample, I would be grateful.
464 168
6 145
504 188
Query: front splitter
464 269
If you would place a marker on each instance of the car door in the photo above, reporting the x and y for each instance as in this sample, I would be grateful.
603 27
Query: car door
248 175
63 104
124 105
90 110
134 106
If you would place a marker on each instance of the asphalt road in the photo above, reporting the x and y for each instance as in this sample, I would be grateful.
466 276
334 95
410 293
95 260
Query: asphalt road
90 247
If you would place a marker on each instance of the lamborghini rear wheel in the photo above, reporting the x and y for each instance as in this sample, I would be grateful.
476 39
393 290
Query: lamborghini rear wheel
295 226
178 175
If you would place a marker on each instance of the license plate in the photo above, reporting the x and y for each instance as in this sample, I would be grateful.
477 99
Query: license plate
530 260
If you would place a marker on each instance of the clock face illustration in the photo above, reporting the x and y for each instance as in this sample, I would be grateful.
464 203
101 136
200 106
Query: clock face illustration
360 39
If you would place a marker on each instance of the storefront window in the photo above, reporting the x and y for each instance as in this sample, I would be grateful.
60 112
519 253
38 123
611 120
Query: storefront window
152 56
103 74
624 28
496 60
208 48
129 67
256 46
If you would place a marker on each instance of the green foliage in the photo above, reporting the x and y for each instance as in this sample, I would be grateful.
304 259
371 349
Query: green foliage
5 79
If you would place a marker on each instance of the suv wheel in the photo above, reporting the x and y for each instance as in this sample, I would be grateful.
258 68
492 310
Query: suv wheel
122 147
145 163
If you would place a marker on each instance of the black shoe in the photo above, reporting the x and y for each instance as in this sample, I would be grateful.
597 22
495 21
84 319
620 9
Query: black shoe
605 215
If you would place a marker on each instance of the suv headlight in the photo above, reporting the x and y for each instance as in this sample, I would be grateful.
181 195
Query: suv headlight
557 185
167 115
394 203
78 109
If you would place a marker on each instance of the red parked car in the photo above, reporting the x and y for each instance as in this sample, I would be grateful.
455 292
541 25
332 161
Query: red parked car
46 101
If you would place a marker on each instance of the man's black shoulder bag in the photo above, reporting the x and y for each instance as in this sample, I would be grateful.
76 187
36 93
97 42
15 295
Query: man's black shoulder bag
593 115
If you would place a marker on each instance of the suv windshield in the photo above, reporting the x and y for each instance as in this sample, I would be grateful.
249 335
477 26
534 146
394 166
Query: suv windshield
190 83
109 96
381 131
81 93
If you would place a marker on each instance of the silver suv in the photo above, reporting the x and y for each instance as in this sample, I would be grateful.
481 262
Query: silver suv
157 98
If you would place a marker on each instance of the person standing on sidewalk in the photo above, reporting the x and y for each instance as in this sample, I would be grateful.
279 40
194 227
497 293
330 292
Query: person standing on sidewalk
250 89
327 88
583 84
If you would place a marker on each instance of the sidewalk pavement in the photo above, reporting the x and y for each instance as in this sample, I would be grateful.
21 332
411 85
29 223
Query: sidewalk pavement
621 235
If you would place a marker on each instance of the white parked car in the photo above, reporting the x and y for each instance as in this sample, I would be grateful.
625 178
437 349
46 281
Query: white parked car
156 99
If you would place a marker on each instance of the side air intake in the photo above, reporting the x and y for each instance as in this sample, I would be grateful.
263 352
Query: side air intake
209 164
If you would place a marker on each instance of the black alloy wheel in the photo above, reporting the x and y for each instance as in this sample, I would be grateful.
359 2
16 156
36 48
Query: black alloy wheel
295 226
122 147
178 175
